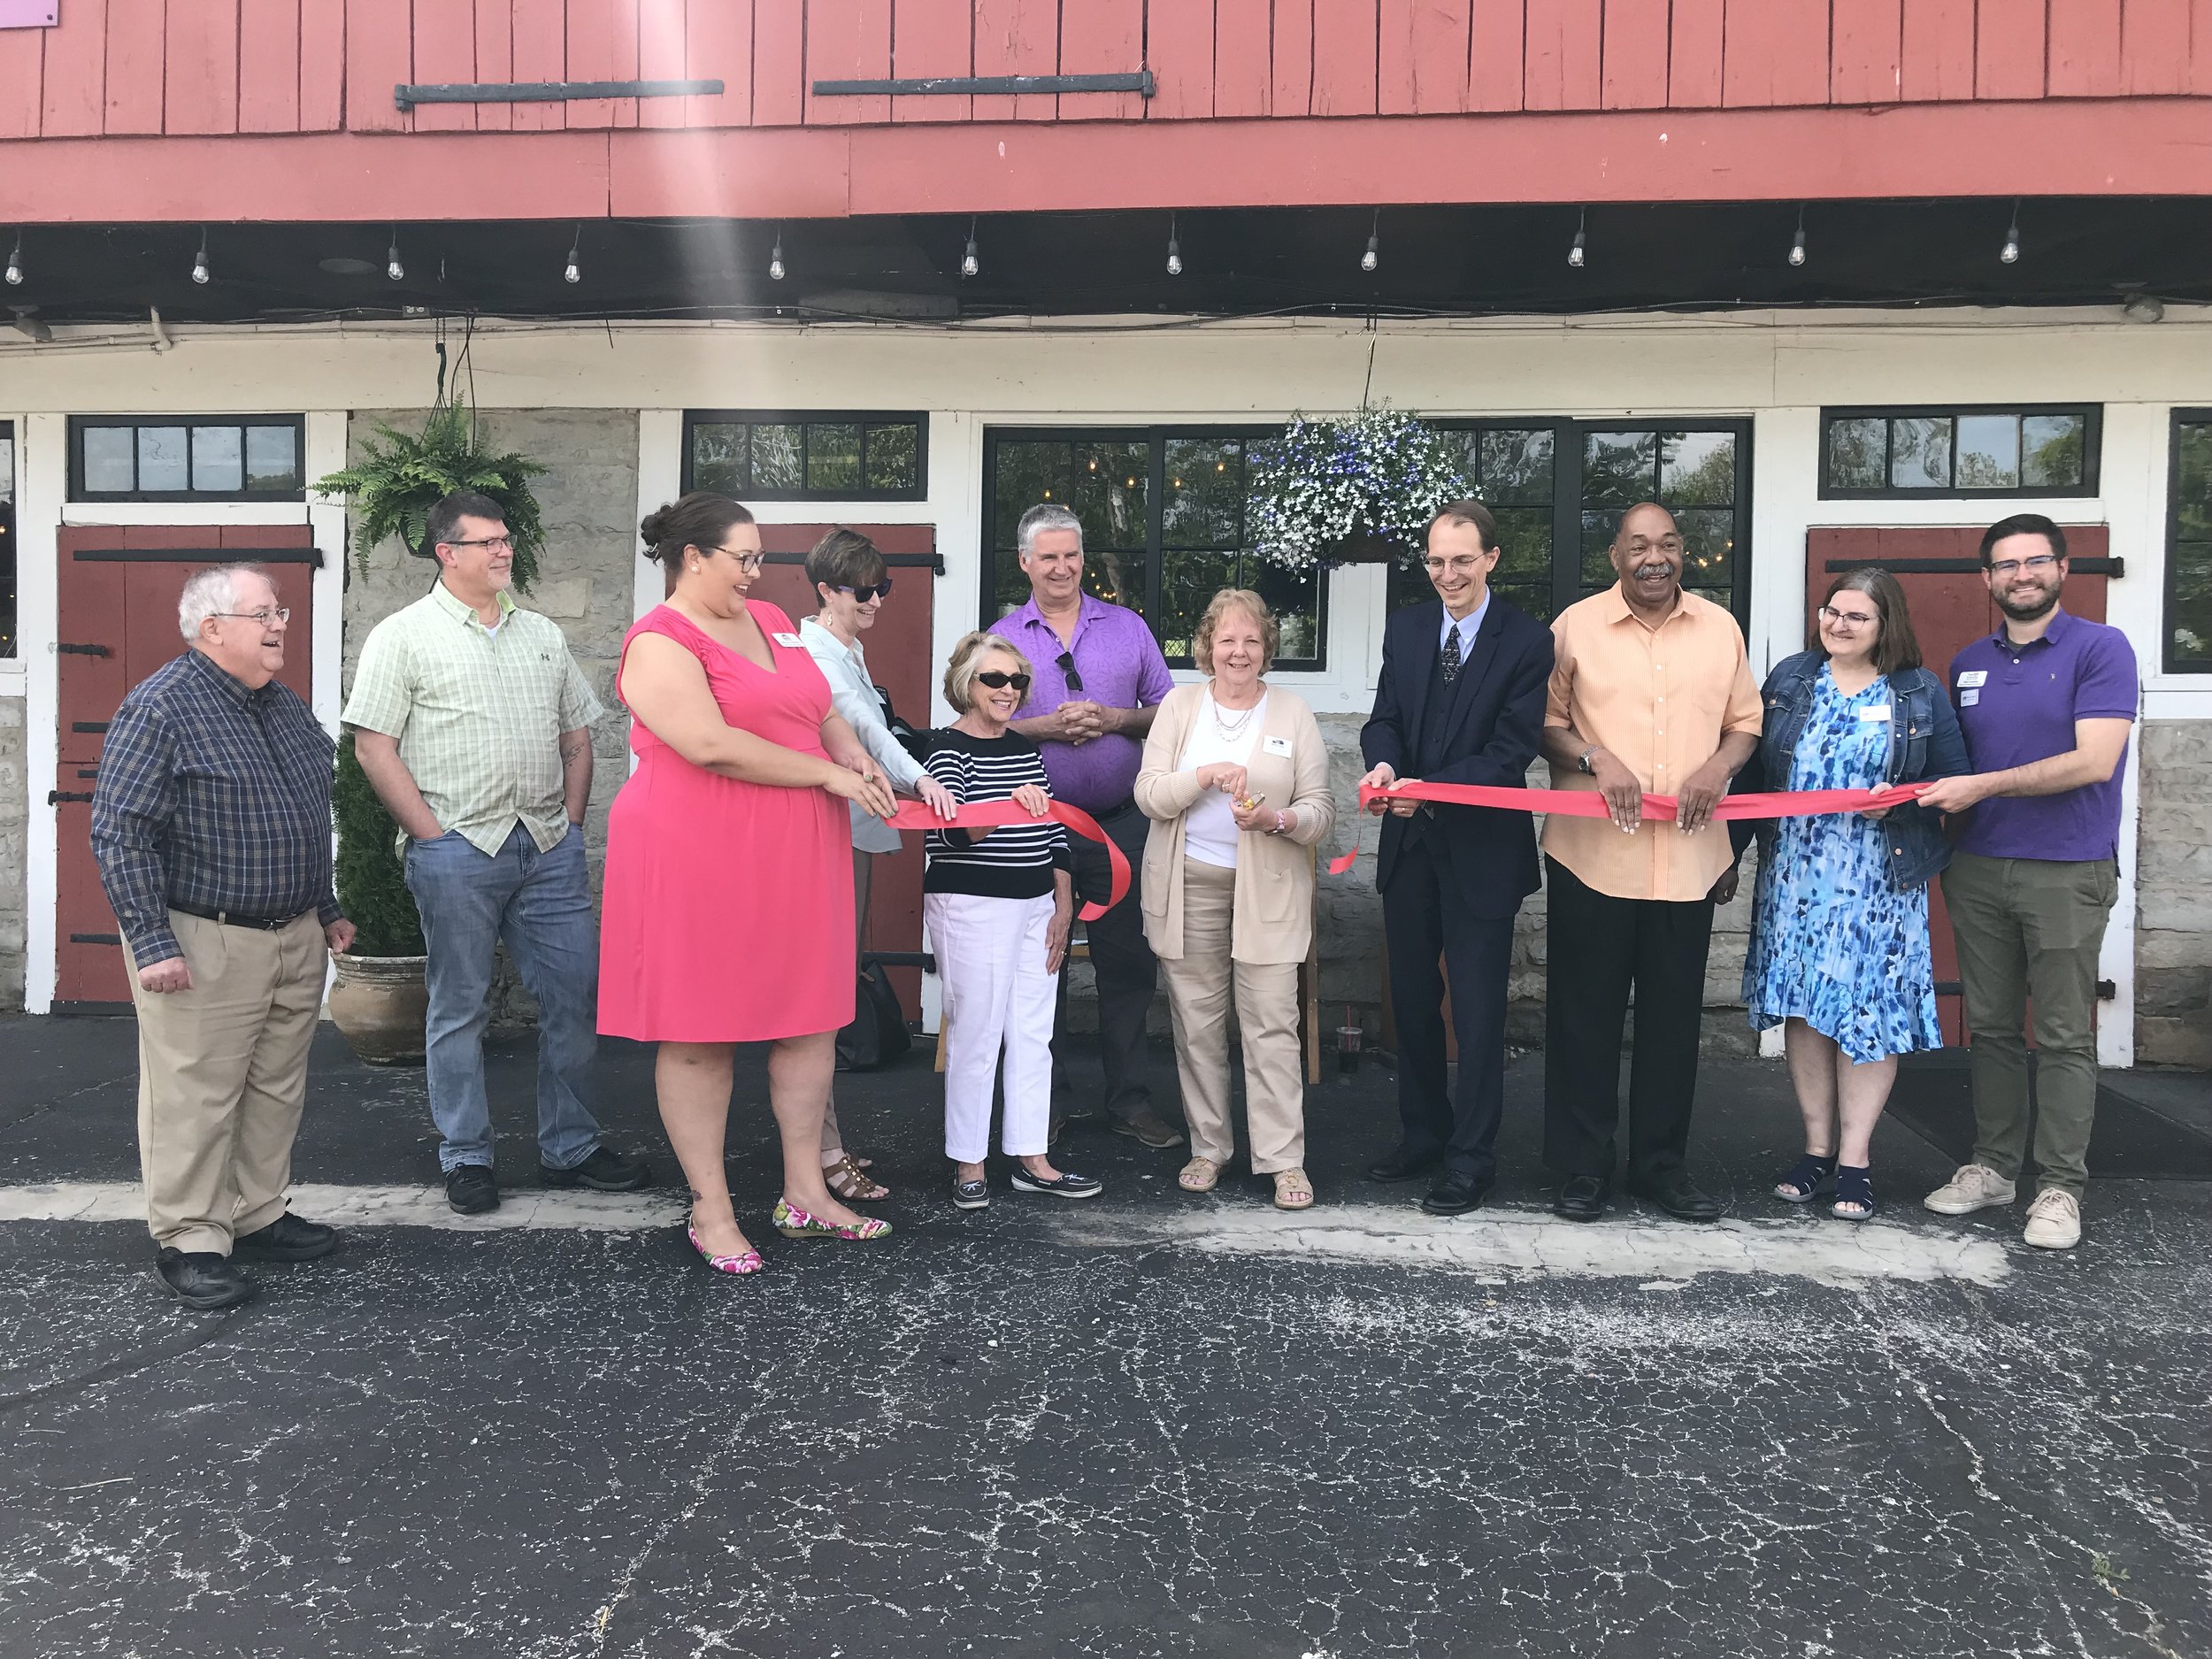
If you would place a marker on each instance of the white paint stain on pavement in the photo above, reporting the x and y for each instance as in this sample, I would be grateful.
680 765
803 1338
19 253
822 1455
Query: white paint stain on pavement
368 1207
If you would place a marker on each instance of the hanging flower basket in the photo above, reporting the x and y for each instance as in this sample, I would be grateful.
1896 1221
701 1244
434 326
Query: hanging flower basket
1357 490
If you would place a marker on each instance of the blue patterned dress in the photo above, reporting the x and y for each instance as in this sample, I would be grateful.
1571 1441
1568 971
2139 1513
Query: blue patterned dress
1836 944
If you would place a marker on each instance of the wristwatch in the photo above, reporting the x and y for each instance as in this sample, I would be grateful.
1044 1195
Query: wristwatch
1582 761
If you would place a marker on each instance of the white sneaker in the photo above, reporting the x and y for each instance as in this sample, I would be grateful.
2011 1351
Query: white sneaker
1975 1187
2053 1220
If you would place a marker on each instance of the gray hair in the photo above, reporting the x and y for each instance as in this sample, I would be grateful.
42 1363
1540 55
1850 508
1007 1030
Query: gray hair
211 592
1046 515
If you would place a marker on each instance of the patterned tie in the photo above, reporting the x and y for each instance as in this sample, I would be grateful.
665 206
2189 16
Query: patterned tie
1451 656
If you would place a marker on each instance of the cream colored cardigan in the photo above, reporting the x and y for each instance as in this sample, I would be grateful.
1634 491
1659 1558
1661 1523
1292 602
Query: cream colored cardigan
1273 918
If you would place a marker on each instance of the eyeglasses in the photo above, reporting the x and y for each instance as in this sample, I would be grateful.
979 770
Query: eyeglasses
1065 663
1669 545
748 562
282 613
2012 567
998 681
494 541
1847 619
866 591
1458 566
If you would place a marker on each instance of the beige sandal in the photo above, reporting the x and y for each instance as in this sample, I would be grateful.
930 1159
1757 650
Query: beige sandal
1292 1190
851 1182
1200 1175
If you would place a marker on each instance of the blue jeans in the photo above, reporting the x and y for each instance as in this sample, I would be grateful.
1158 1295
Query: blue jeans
541 904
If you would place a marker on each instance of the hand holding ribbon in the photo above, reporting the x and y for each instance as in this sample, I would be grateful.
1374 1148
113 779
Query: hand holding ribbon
997 814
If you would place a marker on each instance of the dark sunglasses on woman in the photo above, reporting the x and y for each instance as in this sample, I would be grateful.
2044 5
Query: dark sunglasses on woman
998 681
862 595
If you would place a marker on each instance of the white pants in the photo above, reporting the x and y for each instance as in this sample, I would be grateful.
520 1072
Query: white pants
999 1000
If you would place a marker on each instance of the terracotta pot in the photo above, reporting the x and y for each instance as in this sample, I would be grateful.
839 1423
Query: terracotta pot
380 1003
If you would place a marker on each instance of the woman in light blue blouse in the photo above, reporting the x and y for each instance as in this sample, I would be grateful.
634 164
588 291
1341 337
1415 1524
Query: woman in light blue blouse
851 582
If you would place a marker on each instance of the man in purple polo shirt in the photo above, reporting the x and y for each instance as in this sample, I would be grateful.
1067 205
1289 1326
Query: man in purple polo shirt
2046 704
1099 677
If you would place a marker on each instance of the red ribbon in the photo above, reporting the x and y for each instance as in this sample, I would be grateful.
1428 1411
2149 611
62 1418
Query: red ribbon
1591 803
995 814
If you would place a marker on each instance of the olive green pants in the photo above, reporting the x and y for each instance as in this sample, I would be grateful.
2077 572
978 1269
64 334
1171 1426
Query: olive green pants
2031 928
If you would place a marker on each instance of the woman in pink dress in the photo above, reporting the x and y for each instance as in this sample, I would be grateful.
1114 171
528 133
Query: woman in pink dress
728 906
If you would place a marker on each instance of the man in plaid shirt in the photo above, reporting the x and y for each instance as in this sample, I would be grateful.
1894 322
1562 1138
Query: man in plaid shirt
210 821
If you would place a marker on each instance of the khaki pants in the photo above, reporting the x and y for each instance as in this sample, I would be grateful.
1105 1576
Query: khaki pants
1199 984
222 1074
2031 927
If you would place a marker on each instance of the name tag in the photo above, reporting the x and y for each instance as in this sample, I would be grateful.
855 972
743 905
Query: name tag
1968 699
1276 746
791 640
1973 677
1875 711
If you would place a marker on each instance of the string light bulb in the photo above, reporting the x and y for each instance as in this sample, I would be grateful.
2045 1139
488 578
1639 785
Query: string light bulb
199 263
1372 257
1576 254
1797 248
15 263
2010 254
1174 249
393 270
970 261
574 271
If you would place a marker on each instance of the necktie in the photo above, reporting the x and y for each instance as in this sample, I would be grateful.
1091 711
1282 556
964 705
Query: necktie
1451 656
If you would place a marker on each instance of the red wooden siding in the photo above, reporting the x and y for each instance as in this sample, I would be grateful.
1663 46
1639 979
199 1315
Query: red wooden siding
215 68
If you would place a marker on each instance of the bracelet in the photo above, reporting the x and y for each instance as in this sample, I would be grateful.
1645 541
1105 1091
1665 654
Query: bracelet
1278 823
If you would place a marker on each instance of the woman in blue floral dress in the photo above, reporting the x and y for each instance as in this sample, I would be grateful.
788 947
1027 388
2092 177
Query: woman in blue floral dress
1839 954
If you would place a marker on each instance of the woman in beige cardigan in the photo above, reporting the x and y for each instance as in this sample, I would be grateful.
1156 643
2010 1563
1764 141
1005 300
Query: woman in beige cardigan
1236 783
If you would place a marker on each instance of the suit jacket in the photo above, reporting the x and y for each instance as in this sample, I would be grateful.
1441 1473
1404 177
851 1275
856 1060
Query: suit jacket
1493 735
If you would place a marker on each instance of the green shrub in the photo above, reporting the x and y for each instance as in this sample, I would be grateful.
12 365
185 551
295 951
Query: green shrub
371 887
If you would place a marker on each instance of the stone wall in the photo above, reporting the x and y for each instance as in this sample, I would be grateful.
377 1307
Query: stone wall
2173 896
588 503
14 906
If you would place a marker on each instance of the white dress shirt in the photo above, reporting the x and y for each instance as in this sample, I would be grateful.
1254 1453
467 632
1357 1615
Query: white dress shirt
853 695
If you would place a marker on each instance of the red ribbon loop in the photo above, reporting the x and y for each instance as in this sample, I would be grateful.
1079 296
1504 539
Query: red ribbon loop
995 814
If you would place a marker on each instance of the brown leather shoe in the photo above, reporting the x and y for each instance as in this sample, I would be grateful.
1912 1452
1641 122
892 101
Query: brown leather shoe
1148 1128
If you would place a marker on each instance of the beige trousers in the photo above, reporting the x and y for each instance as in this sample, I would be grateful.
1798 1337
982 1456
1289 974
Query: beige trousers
833 1137
1199 986
222 1074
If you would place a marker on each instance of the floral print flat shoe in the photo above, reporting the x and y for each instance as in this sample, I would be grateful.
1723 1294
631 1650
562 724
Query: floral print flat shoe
744 1262
794 1223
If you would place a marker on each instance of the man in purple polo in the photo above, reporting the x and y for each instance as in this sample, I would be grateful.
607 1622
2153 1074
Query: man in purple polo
2045 703
1099 677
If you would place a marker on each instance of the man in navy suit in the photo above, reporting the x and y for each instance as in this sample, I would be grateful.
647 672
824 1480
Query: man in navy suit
1461 699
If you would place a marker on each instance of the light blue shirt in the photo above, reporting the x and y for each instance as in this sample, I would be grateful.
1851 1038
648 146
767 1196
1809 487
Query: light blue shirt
1469 626
853 695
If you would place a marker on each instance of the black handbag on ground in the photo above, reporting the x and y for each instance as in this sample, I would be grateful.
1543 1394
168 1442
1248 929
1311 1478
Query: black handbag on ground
877 1036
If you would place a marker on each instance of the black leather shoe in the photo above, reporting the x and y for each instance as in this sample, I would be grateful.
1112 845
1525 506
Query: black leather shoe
1679 1196
605 1170
286 1239
203 1279
470 1188
1402 1165
1454 1195
1582 1198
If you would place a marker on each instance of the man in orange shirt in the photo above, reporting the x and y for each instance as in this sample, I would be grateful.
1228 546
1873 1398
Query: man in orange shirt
1651 692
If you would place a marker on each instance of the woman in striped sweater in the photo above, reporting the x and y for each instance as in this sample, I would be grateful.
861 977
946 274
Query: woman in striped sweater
997 903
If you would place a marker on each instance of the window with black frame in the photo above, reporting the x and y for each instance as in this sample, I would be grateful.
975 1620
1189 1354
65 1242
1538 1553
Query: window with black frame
1557 489
1163 529
186 457
764 454
1881 454
2189 545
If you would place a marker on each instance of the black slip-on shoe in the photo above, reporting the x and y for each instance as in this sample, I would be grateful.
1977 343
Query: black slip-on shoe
1454 1195
1679 1196
605 1170
1581 1198
289 1237
970 1195
202 1279
1067 1184
470 1188
1404 1165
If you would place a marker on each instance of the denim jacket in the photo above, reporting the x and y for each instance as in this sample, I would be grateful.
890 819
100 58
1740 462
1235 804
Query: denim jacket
1925 742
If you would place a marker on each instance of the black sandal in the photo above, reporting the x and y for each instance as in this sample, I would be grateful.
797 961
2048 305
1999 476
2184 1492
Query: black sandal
1805 1179
1854 1194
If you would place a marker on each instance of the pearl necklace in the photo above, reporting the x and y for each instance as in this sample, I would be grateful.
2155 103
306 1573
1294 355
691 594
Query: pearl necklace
1230 731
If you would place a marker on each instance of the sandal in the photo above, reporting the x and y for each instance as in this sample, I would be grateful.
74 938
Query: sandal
1200 1175
1292 1190
851 1182
1805 1179
1854 1194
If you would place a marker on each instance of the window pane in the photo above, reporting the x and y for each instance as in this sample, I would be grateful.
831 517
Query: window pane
1188 581
718 460
1108 487
1597 539
1989 452
163 459
1294 596
1533 597
1514 466
2051 450
1619 469
1524 544
1114 575
1920 453
2193 482
833 458
2190 622
1697 469
1720 596
776 459
272 457
1709 544
1024 475
109 459
894 457
1855 453
219 461
1205 493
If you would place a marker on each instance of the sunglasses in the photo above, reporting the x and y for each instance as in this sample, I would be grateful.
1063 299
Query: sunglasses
1065 663
998 681
862 595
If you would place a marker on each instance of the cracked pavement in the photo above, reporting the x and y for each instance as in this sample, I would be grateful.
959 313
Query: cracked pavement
1148 1424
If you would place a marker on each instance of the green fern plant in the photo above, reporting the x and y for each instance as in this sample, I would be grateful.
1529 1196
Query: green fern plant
403 475
371 882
